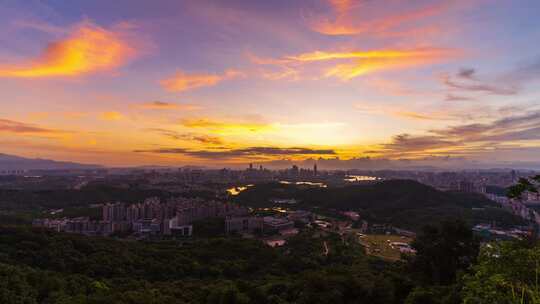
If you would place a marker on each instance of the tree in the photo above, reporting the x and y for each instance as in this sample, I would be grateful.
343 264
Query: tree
524 185
507 272
14 287
443 251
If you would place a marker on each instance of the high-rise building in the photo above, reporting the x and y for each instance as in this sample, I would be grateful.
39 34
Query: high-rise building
513 176
114 212
466 186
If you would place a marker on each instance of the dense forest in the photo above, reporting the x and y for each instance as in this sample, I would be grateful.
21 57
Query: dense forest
44 267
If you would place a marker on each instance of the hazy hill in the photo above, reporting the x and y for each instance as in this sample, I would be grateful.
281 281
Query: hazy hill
404 203
11 162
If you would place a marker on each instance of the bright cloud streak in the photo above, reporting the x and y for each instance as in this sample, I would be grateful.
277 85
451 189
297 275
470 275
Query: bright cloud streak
374 54
359 63
88 49
224 127
182 81
111 116
16 127
161 105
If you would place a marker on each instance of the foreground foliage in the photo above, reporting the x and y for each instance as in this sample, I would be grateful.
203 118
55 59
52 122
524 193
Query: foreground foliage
44 267
505 273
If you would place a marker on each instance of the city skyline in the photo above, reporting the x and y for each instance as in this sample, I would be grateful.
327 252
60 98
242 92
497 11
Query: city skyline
197 82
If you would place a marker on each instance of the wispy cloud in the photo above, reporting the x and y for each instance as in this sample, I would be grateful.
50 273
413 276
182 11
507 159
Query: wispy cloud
182 81
467 73
408 143
161 105
201 138
466 139
502 128
452 97
363 17
354 63
525 72
11 126
400 112
88 49
111 116
469 84
506 84
218 126
258 152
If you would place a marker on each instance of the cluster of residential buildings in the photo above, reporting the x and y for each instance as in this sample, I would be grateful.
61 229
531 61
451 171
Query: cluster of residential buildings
519 207
173 217
490 232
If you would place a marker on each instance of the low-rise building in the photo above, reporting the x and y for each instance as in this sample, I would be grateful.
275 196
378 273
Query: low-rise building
244 224
177 229
301 216
276 224
354 216
147 226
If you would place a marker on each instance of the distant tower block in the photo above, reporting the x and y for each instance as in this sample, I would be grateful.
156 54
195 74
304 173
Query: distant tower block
315 169
250 166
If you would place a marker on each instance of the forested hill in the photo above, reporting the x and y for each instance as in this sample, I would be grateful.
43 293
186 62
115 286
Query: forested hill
404 203
45 267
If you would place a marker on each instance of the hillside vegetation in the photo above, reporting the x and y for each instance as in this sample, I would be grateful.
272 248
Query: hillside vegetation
404 203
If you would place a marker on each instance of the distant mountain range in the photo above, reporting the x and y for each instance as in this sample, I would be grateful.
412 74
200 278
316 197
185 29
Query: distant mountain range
11 162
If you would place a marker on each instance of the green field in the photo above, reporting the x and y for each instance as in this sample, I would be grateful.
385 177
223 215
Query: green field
378 245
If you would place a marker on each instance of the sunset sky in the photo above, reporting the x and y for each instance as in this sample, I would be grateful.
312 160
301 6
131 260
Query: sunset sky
125 83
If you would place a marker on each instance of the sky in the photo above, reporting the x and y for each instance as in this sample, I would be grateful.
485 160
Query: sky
224 83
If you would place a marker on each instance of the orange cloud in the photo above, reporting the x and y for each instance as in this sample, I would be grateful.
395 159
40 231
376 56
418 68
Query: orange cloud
88 49
394 111
358 63
345 19
160 105
374 54
226 127
182 81
16 127
111 116
341 6
284 73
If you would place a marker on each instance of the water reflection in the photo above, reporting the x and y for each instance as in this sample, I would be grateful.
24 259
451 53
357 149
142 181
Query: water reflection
360 178
238 189
315 184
